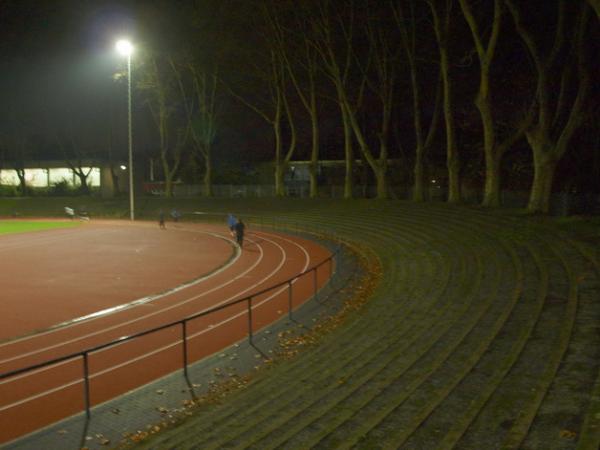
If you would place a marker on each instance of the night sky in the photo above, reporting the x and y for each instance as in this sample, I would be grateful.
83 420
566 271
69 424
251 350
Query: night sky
57 64
57 67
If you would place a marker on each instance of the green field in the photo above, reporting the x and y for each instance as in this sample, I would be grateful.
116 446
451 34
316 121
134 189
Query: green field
18 226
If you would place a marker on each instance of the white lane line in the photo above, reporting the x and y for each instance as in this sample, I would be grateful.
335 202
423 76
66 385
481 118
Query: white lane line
115 309
158 311
151 353
41 394
122 324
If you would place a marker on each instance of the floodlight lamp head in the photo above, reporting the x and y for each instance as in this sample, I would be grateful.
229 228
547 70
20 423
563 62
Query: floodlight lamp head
124 47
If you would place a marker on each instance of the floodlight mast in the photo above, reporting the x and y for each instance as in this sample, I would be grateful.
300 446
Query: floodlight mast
125 48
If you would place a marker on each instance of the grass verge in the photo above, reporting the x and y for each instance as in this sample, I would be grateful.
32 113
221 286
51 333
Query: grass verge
18 226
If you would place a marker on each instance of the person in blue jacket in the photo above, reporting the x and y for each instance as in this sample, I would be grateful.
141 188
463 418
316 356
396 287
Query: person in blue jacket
231 221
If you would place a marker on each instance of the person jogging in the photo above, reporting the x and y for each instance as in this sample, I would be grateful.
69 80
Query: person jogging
231 222
239 232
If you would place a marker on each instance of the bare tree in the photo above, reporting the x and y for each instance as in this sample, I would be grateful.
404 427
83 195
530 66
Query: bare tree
441 26
337 57
351 70
300 58
494 149
162 97
381 81
200 108
408 37
556 120
77 156
204 125
274 109
375 67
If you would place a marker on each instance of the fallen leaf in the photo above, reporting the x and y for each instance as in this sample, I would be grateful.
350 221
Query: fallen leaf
568 434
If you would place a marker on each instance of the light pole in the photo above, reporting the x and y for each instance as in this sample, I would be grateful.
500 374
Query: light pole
125 48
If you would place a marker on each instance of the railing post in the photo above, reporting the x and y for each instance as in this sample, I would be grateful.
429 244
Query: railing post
86 384
290 299
250 320
185 353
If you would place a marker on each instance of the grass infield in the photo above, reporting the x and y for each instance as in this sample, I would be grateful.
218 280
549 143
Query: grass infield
13 226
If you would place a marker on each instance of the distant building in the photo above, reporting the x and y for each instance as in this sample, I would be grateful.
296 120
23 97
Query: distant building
45 174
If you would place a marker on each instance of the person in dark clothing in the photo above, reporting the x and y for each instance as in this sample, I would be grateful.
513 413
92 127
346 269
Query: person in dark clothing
161 219
239 232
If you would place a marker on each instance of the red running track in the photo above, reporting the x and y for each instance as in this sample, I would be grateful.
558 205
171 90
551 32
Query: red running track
67 290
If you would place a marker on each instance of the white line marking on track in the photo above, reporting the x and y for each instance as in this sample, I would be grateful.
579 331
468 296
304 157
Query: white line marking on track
175 305
121 324
153 352
134 303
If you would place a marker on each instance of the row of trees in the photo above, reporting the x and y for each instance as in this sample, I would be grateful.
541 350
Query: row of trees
422 81
363 56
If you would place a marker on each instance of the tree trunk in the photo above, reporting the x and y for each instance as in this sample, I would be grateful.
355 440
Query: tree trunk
541 188
22 182
453 165
419 174
382 186
381 177
419 188
279 184
491 193
115 181
549 139
349 156
168 185
544 164
379 166
452 158
208 177
84 189
493 157
169 175
314 160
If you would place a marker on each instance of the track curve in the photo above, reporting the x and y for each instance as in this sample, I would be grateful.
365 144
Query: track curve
55 392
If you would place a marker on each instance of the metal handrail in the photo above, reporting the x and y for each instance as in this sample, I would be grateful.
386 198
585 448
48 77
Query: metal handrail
181 322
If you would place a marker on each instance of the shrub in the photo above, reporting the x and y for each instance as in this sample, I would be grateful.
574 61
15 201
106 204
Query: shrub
8 191
62 188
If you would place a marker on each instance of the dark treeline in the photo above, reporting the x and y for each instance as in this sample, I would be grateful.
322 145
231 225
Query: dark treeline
485 95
